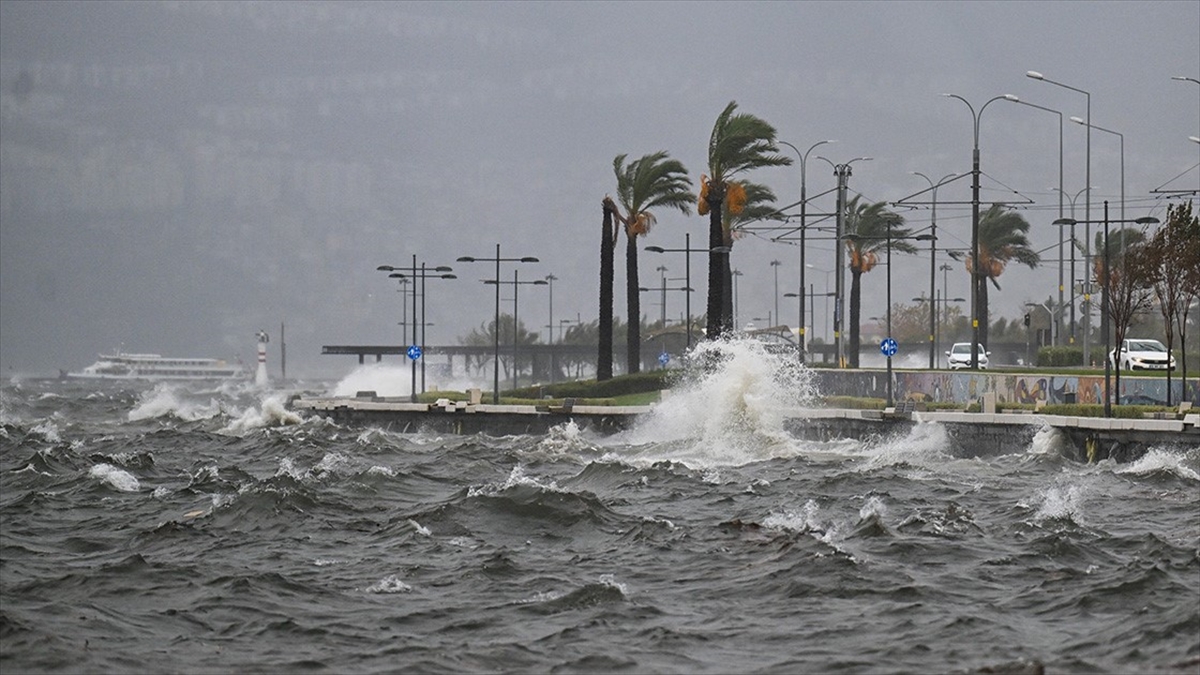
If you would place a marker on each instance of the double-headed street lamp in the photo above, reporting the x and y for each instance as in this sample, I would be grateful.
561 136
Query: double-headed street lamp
1078 120
933 257
516 284
1061 194
1105 309
416 350
687 252
803 229
1087 213
496 327
1062 221
976 277
842 172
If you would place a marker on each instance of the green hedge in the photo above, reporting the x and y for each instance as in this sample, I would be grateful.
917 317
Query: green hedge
1059 356
623 385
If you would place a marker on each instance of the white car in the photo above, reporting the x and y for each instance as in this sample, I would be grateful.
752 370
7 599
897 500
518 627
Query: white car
959 356
1141 354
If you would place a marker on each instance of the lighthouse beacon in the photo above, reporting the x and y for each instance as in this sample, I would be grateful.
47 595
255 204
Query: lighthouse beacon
260 376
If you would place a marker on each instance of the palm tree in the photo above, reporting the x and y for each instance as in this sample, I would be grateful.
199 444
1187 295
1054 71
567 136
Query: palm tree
739 142
760 201
867 229
608 242
1001 240
654 180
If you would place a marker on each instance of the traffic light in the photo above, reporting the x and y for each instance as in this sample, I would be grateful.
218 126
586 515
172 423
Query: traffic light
1027 319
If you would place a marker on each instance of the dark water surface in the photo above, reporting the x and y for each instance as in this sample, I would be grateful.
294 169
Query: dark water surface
169 529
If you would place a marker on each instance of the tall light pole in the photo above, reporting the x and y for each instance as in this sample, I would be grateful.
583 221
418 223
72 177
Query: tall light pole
496 327
775 264
1118 134
976 277
687 252
933 260
1087 212
735 274
1061 194
803 231
416 351
842 172
516 284
1061 221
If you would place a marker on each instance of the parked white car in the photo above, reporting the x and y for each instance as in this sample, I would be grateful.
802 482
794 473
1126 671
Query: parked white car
1141 354
959 356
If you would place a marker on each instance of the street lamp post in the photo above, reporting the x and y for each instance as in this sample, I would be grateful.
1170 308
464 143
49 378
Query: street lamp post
1061 194
687 252
1061 220
775 264
803 231
1087 213
976 277
416 350
496 327
1105 309
933 259
516 284
1118 134
842 172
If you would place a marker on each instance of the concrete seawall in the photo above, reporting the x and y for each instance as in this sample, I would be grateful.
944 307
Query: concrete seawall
1084 439
964 386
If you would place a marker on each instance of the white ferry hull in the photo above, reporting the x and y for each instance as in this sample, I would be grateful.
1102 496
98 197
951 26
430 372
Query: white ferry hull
155 368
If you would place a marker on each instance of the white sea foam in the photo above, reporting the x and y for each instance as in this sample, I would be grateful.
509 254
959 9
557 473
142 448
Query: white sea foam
166 399
727 413
272 413
419 528
1158 459
1062 502
803 521
48 431
389 584
1049 441
516 477
118 479
924 446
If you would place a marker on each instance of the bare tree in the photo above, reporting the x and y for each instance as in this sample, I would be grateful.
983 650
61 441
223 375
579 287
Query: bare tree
1129 284
1174 266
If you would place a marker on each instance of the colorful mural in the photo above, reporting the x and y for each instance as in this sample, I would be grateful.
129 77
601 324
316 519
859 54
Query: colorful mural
965 387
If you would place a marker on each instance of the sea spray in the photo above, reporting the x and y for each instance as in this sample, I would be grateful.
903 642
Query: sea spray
728 408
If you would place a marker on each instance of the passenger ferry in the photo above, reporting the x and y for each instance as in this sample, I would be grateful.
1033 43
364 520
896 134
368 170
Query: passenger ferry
122 366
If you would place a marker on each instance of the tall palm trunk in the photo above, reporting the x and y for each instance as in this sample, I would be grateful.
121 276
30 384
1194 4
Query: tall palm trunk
718 322
608 243
633 342
855 315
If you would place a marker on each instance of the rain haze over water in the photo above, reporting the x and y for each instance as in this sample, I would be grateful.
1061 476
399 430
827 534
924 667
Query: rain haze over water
175 176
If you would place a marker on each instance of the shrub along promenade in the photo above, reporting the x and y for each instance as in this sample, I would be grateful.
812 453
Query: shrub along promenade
983 413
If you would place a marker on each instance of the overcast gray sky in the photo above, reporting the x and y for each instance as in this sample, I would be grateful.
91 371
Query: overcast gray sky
175 176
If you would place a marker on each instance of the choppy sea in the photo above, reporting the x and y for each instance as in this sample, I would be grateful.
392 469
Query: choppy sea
194 528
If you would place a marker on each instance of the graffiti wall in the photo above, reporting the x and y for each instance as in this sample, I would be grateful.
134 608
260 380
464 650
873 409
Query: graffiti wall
965 387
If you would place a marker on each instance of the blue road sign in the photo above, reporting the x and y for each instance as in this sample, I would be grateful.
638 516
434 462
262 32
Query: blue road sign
664 358
414 352
888 347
